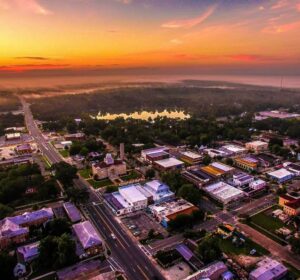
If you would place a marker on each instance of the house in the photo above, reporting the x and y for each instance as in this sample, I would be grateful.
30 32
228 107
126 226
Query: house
281 175
72 212
190 157
23 149
109 168
247 163
168 211
256 146
28 253
268 269
88 237
224 193
168 164
15 230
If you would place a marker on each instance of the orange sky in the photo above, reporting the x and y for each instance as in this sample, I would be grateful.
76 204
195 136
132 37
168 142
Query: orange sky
95 34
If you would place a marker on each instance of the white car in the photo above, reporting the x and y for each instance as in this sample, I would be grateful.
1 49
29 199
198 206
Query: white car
113 236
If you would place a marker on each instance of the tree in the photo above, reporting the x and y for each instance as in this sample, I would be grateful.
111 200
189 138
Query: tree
78 196
66 251
47 252
207 160
275 141
150 173
65 173
57 227
5 211
181 222
190 193
7 265
295 244
111 189
209 250
173 179
48 190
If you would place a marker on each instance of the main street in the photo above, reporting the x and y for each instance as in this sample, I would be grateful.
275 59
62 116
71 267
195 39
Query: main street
128 255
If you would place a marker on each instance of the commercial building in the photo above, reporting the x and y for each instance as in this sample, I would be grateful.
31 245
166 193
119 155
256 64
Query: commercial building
257 146
23 149
281 175
16 161
75 136
29 252
195 175
190 157
168 211
148 152
241 179
168 164
13 136
159 191
223 167
247 163
276 114
267 160
224 193
66 144
15 230
72 212
109 168
213 153
268 269
295 168
290 204
157 156
234 150
88 237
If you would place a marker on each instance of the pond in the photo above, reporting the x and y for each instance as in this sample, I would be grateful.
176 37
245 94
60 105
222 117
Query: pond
145 115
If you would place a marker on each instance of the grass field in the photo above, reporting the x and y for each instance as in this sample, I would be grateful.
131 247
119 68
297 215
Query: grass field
100 184
228 248
64 153
85 173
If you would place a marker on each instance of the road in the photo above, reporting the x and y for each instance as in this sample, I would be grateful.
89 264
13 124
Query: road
131 259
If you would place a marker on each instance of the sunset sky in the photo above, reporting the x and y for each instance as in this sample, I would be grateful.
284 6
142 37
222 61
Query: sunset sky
77 35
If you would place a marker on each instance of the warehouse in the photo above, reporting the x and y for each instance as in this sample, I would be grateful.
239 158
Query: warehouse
281 175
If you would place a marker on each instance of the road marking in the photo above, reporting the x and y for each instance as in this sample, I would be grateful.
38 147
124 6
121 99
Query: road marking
141 270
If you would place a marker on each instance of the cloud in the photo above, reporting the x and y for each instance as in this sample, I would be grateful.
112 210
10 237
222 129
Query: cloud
176 42
298 6
32 6
126 2
32 57
188 23
280 4
281 28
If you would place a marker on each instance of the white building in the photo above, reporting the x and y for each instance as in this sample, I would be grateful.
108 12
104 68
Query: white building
109 168
281 175
257 146
160 192
258 184
268 269
234 149
241 179
190 157
224 192
66 144
133 196
216 153
155 150
168 164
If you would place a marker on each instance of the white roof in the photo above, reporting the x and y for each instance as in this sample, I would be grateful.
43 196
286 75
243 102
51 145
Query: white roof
191 155
257 183
224 191
169 162
268 269
132 193
121 199
66 142
221 166
234 148
257 143
280 173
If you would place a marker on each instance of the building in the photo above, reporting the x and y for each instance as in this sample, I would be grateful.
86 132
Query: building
212 271
267 160
28 253
223 167
72 212
157 156
241 179
268 269
16 161
13 136
247 163
168 164
23 149
66 144
290 204
258 185
295 168
276 114
15 230
159 191
224 193
281 175
75 136
225 230
213 153
195 175
168 211
88 237
109 168
233 150
190 157
155 150
256 146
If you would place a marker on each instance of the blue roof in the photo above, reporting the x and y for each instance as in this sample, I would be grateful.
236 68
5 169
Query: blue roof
184 251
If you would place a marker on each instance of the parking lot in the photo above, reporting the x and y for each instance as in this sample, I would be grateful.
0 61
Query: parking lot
141 223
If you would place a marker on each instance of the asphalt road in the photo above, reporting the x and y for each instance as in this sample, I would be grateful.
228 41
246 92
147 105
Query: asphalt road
127 254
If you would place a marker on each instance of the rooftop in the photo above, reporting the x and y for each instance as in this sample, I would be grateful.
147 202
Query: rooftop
280 173
234 148
169 162
191 155
72 212
268 269
132 193
222 166
29 250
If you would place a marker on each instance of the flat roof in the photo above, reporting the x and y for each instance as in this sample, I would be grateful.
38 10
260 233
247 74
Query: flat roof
280 173
223 191
222 166
234 148
132 193
169 162
191 155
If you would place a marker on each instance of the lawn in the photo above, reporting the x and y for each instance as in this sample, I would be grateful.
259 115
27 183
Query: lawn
64 153
131 176
228 247
99 184
85 173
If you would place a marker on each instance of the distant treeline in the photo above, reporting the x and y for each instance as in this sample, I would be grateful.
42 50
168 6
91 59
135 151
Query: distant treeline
200 101
8 101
